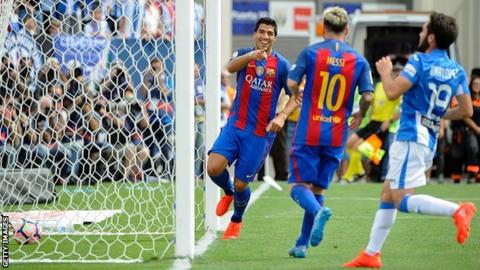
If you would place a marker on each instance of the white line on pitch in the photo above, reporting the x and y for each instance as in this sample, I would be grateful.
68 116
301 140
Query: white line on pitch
203 244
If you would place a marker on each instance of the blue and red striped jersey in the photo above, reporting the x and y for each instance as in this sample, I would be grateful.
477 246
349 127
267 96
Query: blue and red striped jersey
258 88
333 71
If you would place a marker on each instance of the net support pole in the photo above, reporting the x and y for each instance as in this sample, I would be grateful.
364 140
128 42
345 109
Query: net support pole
184 131
212 94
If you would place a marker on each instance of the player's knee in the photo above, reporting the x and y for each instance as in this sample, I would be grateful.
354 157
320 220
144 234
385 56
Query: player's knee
386 197
317 190
290 187
214 169
240 185
351 142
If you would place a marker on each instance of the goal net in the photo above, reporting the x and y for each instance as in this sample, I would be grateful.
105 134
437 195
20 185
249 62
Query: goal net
87 117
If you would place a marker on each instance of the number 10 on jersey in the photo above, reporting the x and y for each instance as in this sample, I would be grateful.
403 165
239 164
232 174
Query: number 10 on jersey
327 91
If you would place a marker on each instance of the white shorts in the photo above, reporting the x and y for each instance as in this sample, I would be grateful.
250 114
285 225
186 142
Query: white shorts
407 164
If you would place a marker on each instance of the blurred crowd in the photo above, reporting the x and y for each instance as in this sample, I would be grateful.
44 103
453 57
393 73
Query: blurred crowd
458 142
83 130
146 19
88 129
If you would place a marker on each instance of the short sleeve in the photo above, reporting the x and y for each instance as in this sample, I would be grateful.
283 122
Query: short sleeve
365 82
286 68
240 52
298 69
462 88
412 68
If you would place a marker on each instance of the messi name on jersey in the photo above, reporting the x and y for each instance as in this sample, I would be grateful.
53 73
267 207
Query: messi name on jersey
335 61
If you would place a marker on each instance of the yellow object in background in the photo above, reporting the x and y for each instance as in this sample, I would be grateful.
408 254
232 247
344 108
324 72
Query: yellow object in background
354 166
371 149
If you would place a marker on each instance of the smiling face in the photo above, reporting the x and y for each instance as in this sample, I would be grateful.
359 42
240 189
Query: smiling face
264 37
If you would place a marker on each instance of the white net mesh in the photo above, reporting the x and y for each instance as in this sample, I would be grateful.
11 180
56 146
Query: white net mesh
87 127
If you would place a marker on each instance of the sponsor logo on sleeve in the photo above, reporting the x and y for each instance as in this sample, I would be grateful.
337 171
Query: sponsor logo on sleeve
410 69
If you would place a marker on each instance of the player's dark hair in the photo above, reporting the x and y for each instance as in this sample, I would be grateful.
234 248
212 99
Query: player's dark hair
444 28
267 21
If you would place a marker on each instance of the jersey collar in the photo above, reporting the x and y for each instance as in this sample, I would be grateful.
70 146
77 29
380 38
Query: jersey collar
439 52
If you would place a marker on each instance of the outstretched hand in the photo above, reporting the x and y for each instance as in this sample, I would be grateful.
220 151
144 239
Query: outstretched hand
299 97
356 120
384 66
277 123
259 54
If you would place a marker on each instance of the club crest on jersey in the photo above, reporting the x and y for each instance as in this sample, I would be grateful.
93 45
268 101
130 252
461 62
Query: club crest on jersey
259 71
270 72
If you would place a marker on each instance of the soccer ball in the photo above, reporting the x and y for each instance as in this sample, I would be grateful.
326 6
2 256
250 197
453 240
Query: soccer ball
27 232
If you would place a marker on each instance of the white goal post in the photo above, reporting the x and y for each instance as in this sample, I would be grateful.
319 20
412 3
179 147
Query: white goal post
100 99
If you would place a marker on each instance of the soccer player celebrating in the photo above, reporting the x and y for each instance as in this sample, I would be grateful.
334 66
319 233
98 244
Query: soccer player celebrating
333 71
248 135
428 83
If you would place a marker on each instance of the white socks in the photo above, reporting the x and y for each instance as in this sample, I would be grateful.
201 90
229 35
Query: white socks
385 216
384 220
425 204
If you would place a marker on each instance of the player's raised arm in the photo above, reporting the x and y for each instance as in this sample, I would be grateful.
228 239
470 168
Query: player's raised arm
394 87
239 62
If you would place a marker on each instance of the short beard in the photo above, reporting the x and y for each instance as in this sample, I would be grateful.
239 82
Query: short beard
423 46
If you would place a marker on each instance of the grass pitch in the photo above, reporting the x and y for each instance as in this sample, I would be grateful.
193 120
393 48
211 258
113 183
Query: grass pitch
272 224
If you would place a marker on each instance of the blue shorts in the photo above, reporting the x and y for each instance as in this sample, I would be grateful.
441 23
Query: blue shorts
314 164
248 149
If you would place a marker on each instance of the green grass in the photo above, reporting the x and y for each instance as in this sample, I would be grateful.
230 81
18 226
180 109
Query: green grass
272 224
145 208
415 242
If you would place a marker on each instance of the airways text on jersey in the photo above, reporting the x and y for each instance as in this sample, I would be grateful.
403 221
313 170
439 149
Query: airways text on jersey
259 84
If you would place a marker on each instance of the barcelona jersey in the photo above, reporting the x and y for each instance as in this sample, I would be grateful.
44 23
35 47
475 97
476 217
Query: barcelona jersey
333 71
258 88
